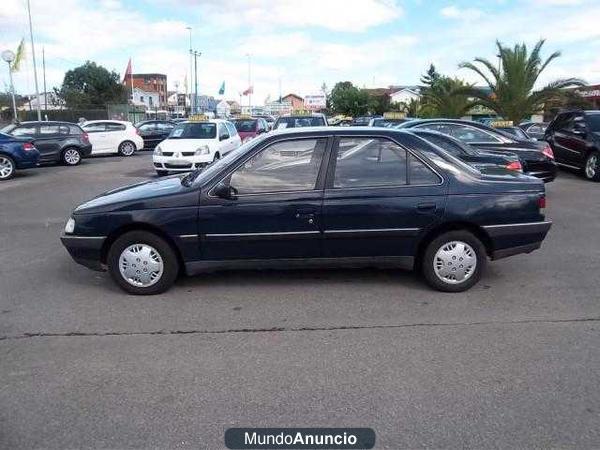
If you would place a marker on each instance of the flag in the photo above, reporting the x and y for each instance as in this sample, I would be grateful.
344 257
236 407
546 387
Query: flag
185 82
249 91
127 71
222 88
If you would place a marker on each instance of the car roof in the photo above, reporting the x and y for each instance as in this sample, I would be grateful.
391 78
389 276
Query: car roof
45 122
122 122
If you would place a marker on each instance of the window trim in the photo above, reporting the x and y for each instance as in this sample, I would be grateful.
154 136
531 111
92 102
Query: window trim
321 174
333 163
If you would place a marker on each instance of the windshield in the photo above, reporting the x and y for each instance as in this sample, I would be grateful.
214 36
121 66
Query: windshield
8 128
194 131
594 122
297 122
245 126
452 146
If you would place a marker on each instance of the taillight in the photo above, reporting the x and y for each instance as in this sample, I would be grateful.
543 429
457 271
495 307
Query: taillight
27 146
85 137
137 132
515 165
548 151
542 202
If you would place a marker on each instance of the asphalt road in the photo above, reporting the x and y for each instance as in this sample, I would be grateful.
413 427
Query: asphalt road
514 362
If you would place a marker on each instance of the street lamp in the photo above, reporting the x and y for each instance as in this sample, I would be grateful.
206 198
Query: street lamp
9 57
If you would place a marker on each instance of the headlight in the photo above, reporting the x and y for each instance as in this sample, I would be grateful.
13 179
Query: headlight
204 150
158 151
70 226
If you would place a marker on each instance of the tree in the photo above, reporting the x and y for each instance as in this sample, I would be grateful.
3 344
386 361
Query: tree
445 98
379 103
512 93
431 76
91 86
412 108
345 98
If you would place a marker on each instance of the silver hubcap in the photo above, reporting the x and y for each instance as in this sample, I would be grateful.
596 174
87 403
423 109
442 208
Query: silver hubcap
127 148
141 265
72 156
590 166
455 262
6 167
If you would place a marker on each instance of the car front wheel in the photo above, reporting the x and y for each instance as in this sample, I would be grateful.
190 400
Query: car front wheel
592 166
142 263
7 167
454 261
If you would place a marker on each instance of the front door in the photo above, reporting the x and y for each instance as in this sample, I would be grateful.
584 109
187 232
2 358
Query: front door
48 141
276 207
378 198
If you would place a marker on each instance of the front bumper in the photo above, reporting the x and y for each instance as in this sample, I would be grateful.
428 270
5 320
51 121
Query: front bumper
85 250
182 164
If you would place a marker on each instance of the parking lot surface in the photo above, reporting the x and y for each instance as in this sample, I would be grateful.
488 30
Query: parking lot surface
514 362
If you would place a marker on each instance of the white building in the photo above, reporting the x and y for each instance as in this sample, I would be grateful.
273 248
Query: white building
145 98
47 101
223 109
404 95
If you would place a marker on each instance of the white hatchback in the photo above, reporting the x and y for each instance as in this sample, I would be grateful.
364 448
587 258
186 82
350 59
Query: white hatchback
195 144
113 136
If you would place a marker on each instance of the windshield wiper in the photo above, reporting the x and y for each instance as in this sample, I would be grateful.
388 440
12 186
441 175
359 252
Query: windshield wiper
190 177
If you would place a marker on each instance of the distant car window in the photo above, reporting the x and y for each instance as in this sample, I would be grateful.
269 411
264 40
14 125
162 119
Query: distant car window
201 130
115 126
46 130
421 174
282 167
439 127
472 135
369 162
452 147
147 127
515 131
536 129
231 128
74 130
25 130
95 127
223 131
164 126
246 125
594 122
298 122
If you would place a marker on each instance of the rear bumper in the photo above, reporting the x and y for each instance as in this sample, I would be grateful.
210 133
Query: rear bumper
546 171
86 150
85 250
512 239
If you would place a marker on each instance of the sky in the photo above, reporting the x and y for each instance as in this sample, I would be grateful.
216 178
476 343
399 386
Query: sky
300 43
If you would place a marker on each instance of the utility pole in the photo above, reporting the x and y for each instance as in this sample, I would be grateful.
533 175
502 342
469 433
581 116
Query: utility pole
196 55
37 90
8 56
250 88
191 72
44 73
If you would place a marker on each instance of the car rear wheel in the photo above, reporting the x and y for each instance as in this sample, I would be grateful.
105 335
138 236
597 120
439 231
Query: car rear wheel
127 148
592 166
454 261
71 156
142 263
7 167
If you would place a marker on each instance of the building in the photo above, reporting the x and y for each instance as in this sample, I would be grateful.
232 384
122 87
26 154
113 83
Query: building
278 108
315 102
47 101
147 99
223 109
234 106
206 103
296 101
405 95
149 82
591 94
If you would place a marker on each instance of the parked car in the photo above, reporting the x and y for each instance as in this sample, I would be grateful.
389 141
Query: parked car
195 144
311 198
536 157
113 136
62 142
249 127
16 154
535 130
269 119
484 161
387 122
300 120
153 132
575 139
362 121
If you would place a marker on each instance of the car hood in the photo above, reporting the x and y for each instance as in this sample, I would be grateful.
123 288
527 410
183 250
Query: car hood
184 145
164 193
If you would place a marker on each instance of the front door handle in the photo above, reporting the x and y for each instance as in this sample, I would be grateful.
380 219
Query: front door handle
425 207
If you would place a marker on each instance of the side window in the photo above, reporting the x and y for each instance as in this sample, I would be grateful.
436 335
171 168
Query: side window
470 135
95 127
25 130
445 144
419 173
115 127
49 130
146 127
231 128
64 129
223 131
164 126
439 127
369 162
287 166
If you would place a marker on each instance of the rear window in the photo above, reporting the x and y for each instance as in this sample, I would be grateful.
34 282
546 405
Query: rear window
299 122
194 131
245 126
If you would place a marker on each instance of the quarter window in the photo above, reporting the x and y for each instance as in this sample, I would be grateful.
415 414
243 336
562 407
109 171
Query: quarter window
419 173
287 166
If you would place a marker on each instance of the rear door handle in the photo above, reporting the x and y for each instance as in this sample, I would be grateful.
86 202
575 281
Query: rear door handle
423 207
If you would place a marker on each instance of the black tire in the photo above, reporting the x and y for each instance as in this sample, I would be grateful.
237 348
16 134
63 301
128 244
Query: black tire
127 148
164 250
217 157
591 169
7 167
429 261
71 156
162 173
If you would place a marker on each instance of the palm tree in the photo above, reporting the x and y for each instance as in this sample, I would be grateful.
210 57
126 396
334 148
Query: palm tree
445 98
412 108
15 66
512 93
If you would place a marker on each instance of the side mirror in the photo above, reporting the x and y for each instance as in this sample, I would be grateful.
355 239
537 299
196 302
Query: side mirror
223 137
223 190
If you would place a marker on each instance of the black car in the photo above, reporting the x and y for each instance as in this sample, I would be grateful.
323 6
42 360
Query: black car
361 121
536 157
535 130
515 132
322 197
575 139
153 132
62 142
15 154
486 162
300 121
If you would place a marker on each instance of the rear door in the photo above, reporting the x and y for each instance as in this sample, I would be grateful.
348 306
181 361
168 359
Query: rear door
48 141
276 212
379 196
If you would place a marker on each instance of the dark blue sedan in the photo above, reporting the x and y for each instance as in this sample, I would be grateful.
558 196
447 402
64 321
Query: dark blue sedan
314 197
16 154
